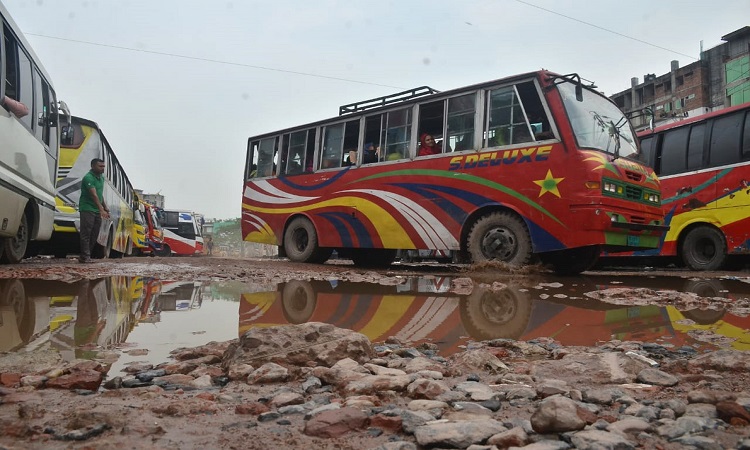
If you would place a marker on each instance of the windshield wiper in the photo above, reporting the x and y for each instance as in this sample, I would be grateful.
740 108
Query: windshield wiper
612 129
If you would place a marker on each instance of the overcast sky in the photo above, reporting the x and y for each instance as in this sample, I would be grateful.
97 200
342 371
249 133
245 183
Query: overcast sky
178 86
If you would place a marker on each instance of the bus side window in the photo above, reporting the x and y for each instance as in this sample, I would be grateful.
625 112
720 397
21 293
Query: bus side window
695 155
251 169
506 123
674 151
646 156
746 139
266 154
724 146
536 116
397 134
331 154
461 112
431 116
373 132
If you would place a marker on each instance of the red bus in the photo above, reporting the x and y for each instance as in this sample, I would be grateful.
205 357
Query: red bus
703 163
528 167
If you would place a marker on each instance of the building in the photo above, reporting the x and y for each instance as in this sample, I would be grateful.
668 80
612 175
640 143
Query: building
152 199
721 78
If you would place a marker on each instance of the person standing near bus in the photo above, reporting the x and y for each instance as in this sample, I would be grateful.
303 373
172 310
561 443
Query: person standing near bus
92 208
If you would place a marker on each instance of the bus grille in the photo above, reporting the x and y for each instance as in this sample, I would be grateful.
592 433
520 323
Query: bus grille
633 193
637 219
635 176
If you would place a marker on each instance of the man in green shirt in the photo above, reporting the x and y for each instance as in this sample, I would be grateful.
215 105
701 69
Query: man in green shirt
92 208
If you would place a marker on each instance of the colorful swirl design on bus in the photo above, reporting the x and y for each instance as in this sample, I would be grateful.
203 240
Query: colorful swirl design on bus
393 215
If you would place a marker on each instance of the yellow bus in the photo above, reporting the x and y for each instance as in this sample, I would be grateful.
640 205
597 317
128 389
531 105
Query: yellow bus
87 141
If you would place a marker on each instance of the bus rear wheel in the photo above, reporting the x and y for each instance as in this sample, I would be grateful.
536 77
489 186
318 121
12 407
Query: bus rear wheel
301 242
500 236
14 248
298 300
704 248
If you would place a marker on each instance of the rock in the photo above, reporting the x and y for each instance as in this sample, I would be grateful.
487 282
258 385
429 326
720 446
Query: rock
727 410
390 423
459 434
286 399
370 384
78 379
426 389
585 368
419 364
202 382
253 408
411 420
701 410
656 377
600 440
699 442
515 437
551 387
426 405
556 414
398 445
307 344
320 409
311 383
268 373
35 381
630 425
476 391
335 423
239 371
601 396
721 361
379 370
471 360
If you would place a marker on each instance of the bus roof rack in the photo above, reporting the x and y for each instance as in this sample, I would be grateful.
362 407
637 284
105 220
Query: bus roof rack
386 100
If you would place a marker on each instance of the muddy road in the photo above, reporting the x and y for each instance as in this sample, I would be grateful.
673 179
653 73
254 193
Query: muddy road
279 270
663 383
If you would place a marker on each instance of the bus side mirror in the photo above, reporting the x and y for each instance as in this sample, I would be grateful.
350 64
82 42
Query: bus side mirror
66 135
579 92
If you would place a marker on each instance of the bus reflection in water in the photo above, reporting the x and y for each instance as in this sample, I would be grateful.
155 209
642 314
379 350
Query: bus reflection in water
425 310
78 319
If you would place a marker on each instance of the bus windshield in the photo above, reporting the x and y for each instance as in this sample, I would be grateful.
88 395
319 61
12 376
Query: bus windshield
597 123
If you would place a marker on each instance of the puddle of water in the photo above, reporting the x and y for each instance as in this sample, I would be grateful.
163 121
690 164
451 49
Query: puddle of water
86 319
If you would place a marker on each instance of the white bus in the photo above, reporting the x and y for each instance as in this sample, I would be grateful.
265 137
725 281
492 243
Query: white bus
29 145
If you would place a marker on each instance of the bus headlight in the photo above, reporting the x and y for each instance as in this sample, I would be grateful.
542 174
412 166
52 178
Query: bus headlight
651 197
610 187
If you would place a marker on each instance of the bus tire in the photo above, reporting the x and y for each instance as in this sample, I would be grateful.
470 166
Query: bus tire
164 251
502 314
298 301
704 248
374 257
301 241
14 248
572 261
12 293
500 236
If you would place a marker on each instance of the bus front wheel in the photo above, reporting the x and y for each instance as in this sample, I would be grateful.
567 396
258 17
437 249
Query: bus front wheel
704 248
301 241
500 236
14 248
163 251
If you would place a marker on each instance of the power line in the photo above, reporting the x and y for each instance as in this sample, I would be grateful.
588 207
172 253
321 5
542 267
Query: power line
215 61
605 29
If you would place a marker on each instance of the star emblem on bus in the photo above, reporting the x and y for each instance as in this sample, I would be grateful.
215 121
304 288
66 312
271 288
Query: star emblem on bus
549 184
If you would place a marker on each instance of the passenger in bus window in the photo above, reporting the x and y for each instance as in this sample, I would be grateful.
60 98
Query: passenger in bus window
350 157
428 146
371 153
16 107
